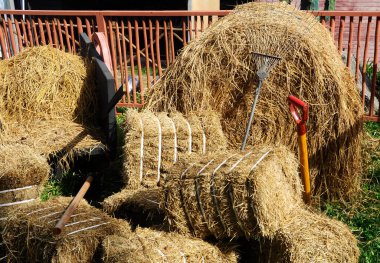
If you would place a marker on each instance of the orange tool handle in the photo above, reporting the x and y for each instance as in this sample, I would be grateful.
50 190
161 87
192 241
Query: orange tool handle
302 142
300 120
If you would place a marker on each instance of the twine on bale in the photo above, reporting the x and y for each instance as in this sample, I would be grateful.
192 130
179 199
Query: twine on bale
27 232
216 72
253 195
164 140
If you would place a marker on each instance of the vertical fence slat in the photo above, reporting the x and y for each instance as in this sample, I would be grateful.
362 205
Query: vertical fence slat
79 25
88 28
358 46
172 39
2 43
113 52
196 26
158 48
332 26
60 35
48 30
31 41
151 39
341 32
68 44
12 36
139 62
35 33
323 20
190 25
41 31
55 36
125 62
374 68
184 31
72 34
119 55
19 36
146 55
166 44
351 33
25 34
132 62
364 74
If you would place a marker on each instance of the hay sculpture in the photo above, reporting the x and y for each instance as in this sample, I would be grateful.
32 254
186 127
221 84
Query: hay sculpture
23 173
253 194
217 71
147 245
154 142
48 101
28 233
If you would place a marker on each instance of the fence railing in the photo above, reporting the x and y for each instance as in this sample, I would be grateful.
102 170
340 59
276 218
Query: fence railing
144 43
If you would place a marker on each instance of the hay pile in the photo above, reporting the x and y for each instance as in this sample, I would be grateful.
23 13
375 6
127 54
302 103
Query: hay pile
147 245
154 142
253 195
48 101
91 234
28 233
217 71
44 83
23 173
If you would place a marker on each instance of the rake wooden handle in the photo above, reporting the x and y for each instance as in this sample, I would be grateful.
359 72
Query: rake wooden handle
73 205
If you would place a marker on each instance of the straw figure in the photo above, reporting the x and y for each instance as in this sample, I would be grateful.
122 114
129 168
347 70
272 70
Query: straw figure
217 71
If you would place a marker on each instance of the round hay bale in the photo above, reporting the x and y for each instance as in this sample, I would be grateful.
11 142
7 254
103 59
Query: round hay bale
154 142
23 174
44 83
28 232
217 71
147 245
253 195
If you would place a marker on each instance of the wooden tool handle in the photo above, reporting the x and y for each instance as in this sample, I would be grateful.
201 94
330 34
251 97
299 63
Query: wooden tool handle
73 205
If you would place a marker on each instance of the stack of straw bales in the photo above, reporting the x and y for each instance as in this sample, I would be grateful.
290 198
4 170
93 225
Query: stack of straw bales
217 71
253 194
154 142
22 176
92 235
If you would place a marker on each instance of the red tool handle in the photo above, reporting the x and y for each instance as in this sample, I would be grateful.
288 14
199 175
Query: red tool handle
300 120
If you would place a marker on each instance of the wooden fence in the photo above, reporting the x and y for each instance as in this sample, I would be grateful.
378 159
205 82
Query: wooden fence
144 43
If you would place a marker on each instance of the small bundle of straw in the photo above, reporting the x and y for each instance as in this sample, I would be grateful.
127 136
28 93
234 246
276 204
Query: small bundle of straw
23 173
154 142
146 245
28 232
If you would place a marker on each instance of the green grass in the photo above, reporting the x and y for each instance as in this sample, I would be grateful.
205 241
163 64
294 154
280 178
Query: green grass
363 214
63 186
